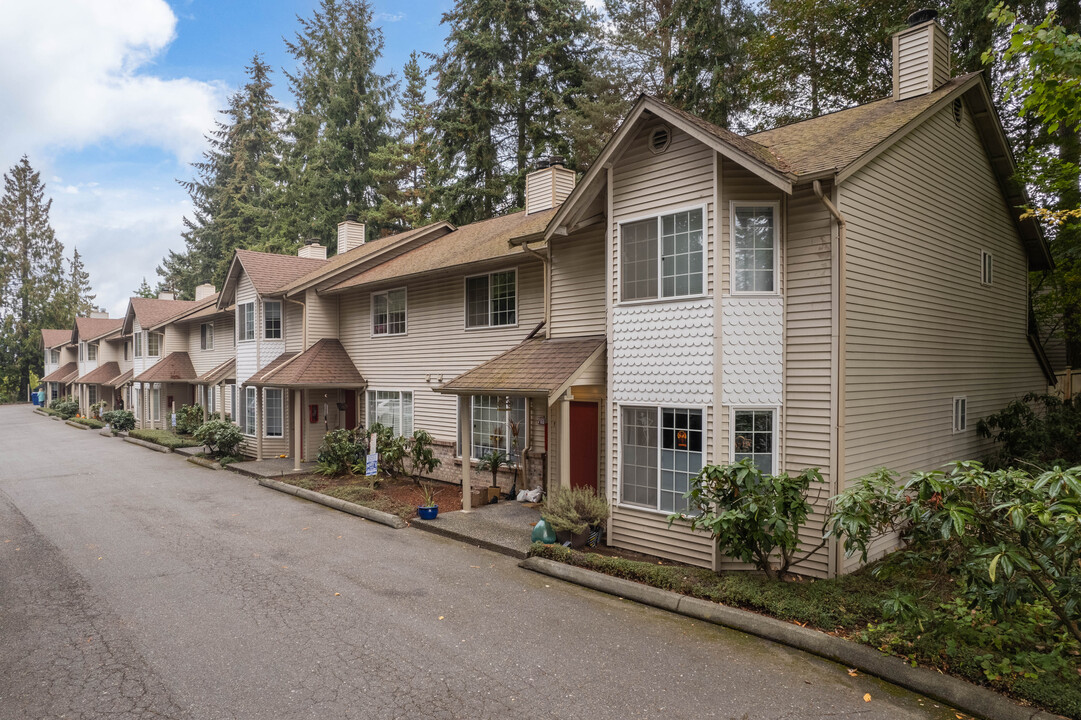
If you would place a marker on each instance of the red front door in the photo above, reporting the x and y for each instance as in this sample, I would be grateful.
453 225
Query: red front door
583 450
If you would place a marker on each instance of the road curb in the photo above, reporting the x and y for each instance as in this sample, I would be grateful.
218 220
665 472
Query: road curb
962 695
77 426
148 445
434 529
42 412
204 462
367 513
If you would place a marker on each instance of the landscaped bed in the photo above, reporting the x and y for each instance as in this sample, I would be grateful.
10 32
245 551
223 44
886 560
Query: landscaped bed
398 496
1024 658
165 438
89 422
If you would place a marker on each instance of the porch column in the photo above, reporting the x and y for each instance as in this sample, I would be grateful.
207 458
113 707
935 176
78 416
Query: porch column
299 429
258 423
221 398
465 421
564 441
204 392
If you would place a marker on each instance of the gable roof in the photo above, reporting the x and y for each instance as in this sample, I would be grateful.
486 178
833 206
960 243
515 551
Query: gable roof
154 312
87 329
191 308
470 244
539 367
267 370
122 379
268 272
174 367
53 338
63 374
324 364
101 374
225 371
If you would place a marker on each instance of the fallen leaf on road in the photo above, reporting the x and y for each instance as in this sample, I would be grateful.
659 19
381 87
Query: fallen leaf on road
475 566
18 548
867 697
440 617
852 672
337 594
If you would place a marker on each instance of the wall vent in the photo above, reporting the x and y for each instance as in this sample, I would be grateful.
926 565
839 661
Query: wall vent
660 139
958 110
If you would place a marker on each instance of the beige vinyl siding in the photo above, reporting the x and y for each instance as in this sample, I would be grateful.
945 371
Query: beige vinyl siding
437 346
322 316
175 340
246 361
577 284
331 419
564 185
224 338
293 327
921 327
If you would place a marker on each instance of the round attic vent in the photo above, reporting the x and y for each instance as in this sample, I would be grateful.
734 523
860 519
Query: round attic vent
958 110
660 139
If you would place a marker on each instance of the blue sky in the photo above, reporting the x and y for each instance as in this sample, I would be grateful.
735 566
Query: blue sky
112 99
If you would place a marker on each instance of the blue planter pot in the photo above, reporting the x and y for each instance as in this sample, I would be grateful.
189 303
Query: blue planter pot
428 513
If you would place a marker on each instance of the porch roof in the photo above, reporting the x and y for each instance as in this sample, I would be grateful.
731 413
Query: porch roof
325 364
63 374
101 374
261 374
121 380
225 371
538 367
174 367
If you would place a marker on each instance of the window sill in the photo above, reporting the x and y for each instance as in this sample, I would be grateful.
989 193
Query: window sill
489 327
665 300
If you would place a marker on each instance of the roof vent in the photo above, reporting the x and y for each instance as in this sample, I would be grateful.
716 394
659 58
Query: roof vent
660 139
958 110
543 163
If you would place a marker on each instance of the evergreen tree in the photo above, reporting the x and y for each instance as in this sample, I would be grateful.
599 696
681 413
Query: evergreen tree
30 275
417 142
642 41
144 290
78 298
235 190
508 71
336 158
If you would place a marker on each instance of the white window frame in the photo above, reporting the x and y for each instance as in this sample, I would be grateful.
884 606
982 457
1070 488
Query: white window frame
92 350
243 327
405 294
127 351
155 403
82 351
370 407
137 342
523 433
658 215
91 395
266 405
987 268
732 205
161 341
281 319
960 413
660 408
206 332
54 357
137 402
249 428
465 300
776 409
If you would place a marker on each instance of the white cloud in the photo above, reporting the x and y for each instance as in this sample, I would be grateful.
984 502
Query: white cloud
390 17
76 73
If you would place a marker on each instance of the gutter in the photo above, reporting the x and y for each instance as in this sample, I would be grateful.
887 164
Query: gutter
840 337
545 264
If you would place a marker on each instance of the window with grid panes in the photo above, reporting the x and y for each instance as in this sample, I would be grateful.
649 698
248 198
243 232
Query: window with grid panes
494 421
393 409
137 339
491 300
206 336
54 357
753 438
639 264
153 344
273 412
91 352
663 256
754 245
388 313
272 320
245 321
249 411
662 450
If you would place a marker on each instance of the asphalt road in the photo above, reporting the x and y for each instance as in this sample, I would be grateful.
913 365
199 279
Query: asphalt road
136 585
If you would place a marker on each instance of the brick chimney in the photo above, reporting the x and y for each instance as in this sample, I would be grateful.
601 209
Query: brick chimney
202 292
921 56
166 295
350 234
548 185
313 250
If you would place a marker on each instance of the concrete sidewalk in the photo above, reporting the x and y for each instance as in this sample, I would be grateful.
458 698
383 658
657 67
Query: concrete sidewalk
504 527
271 468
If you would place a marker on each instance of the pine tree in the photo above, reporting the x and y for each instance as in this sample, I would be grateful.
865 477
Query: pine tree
508 71
642 43
417 141
144 290
30 275
336 152
79 299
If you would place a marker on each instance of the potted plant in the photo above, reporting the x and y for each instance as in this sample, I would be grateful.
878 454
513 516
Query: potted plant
428 510
576 514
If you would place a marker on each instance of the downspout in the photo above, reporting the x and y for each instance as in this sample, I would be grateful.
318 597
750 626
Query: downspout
547 290
841 340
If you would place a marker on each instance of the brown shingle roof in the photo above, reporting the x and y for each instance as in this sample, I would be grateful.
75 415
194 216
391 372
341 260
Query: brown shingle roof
833 141
63 374
90 328
324 364
101 374
476 242
55 338
152 312
260 375
225 371
120 380
207 312
174 367
190 309
536 367
269 272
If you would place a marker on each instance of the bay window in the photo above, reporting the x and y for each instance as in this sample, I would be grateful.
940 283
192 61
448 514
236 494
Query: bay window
248 427
753 438
206 336
245 321
498 423
153 345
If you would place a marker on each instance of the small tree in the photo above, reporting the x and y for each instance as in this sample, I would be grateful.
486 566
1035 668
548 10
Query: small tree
422 459
338 452
221 437
750 515
189 419
66 407
119 420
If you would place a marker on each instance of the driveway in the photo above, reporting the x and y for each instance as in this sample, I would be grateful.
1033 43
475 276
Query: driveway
134 584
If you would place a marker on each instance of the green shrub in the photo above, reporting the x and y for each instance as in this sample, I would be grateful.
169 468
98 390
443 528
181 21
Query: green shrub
338 452
393 449
164 437
89 422
750 515
120 420
575 510
65 408
97 408
188 419
1041 430
422 459
491 462
221 437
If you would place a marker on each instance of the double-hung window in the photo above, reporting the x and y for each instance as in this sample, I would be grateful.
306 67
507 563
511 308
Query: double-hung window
206 336
137 339
245 321
664 256
662 449
137 401
82 351
388 312
54 357
153 345
249 411
960 413
272 320
754 248
273 412
392 409
91 394
498 423
155 404
753 437
491 300
92 352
